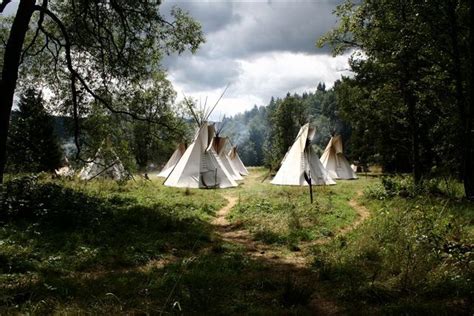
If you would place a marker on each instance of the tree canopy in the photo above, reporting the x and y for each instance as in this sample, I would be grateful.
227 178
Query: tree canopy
410 100
89 52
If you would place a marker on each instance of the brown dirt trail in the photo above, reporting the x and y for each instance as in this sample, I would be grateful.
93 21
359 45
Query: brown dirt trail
296 263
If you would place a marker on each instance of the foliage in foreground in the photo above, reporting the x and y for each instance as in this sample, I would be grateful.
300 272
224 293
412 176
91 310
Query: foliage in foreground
139 247
415 255
58 237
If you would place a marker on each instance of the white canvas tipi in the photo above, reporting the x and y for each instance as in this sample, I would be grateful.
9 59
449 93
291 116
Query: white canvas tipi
236 162
219 145
106 164
302 160
175 157
334 161
200 166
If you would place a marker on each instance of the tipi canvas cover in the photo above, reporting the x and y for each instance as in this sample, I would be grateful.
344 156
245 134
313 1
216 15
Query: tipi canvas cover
219 145
200 166
175 157
334 161
301 159
106 164
236 162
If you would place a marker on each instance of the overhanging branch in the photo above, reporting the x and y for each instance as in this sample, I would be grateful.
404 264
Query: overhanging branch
35 37
76 75
3 5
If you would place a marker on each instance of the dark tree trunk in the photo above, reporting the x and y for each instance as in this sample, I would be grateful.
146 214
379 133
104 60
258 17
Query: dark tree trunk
11 60
464 102
410 101
469 126
415 139
409 71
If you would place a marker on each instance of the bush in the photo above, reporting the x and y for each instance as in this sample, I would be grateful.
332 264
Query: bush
27 198
376 191
400 186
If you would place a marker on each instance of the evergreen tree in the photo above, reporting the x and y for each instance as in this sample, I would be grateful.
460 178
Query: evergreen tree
32 145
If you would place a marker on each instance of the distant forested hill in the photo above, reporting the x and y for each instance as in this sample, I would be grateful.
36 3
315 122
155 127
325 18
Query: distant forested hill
264 133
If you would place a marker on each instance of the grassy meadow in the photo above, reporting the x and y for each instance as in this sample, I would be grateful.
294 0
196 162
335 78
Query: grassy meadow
69 247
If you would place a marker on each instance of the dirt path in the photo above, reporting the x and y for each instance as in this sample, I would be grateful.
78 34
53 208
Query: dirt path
235 233
362 212
220 219
290 262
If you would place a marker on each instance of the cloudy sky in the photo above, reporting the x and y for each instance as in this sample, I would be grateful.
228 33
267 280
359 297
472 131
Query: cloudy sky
260 48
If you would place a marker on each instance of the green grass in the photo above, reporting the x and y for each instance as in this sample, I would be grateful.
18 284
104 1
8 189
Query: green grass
414 256
69 247
62 232
284 214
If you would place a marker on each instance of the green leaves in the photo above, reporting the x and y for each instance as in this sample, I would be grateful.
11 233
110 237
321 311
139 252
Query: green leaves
410 82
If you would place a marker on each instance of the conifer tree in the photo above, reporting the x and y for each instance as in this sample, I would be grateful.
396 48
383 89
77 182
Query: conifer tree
33 145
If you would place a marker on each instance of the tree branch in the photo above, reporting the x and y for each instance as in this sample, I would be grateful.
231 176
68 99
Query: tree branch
69 64
3 5
40 24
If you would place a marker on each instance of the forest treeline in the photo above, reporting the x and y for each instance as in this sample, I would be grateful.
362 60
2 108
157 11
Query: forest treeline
262 135
265 133
410 101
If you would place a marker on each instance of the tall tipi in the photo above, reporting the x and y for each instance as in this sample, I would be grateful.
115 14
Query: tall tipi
235 160
175 157
334 161
301 161
106 164
200 165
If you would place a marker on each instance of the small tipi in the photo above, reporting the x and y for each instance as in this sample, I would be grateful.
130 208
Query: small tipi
175 157
301 161
65 171
200 166
236 162
219 145
106 164
334 161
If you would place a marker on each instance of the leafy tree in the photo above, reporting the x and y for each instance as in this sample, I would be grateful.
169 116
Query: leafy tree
32 144
87 50
412 83
152 144
138 143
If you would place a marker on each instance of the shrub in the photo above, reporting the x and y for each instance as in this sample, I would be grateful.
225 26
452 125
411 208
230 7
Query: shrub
27 198
399 186
376 191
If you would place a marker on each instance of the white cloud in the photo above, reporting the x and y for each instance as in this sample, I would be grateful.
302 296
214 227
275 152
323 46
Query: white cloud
267 75
261 48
